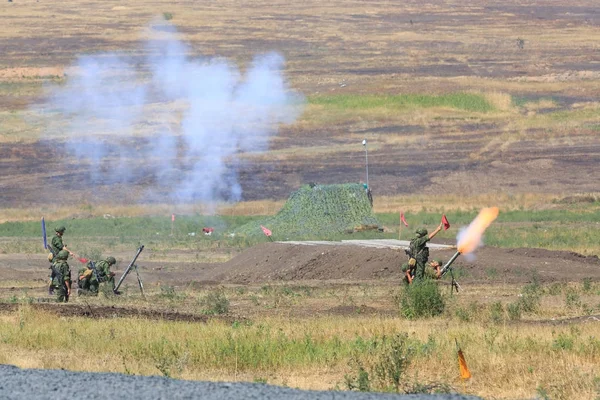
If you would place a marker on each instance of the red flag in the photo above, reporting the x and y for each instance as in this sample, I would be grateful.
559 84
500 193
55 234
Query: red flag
172 217
445 222
403 220
266 231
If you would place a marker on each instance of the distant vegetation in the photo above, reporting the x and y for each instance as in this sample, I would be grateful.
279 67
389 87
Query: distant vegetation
462 101
571 227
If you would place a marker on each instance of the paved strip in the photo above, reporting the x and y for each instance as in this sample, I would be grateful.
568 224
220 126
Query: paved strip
377 243
36 384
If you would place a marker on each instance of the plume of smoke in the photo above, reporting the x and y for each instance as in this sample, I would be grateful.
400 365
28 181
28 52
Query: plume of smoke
172 124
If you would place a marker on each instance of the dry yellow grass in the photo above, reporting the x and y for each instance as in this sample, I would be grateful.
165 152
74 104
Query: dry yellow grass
443 202
382 204
508 361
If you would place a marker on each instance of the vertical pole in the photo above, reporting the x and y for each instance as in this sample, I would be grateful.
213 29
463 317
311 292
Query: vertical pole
367 163
400 225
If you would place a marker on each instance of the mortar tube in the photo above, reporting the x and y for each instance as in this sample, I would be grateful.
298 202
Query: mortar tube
450 261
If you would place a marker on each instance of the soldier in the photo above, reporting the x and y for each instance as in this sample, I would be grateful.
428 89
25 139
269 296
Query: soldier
56 245
431 273
434 272
57 241
408 274
87 281
90 281
419 252
62 276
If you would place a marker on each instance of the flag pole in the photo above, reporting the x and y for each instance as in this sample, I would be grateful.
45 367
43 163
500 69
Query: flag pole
399 225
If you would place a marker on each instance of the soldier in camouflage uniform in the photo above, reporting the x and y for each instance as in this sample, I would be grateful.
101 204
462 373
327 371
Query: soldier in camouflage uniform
62 277
408 273
420 251
90 282
434 272
56 245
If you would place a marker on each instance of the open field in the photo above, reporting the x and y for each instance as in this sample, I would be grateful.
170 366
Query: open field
307 322
113 116
460 99
304 316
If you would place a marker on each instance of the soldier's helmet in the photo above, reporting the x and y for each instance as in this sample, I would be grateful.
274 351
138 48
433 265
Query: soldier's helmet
60 229
440 262
421 232
111 260
62 255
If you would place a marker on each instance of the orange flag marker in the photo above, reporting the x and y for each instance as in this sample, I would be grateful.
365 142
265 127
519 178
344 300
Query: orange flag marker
462 364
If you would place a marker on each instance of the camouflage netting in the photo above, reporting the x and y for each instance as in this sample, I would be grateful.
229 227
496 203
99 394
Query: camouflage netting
318 211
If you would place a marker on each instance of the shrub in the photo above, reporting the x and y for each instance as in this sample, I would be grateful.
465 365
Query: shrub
514 311
572 299
531 296
215 303
167 16
360 380
587 285
421 299
497 312
463 314
394 359
386 371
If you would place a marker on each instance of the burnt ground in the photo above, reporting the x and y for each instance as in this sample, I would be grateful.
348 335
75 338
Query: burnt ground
338 47
468 165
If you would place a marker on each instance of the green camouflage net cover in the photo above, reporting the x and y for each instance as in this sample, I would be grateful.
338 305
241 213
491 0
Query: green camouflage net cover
318 211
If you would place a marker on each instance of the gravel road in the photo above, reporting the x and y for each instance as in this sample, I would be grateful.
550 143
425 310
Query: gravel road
16 383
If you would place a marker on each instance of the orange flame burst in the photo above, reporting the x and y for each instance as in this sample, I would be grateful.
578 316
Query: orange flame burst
470 238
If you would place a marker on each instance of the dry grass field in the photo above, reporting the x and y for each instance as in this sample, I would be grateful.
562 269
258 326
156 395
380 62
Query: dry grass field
531 63
464 105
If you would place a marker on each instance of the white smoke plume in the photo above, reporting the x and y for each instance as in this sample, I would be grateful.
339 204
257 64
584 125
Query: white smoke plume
169 122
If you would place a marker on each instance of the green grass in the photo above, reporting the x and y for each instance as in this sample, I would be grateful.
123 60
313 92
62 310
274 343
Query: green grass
574 227
461 101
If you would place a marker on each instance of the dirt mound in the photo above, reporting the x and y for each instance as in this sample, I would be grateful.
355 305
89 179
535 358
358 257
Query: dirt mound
290 262
283 262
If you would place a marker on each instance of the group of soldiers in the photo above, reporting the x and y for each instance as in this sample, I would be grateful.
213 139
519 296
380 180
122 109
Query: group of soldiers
97 277
92 278
416 267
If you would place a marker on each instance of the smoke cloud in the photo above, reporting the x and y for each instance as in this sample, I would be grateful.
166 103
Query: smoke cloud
172 124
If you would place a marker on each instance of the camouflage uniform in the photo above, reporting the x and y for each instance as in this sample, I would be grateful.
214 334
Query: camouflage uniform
62 267
105 276
87 281
56 244
431 273
91 282
405 268
420 251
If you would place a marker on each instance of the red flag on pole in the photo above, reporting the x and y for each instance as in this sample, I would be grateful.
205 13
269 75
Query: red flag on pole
266 231
403 220
445 222
172 217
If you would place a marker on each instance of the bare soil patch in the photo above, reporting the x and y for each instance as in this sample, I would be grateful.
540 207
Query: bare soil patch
95 311
281 262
